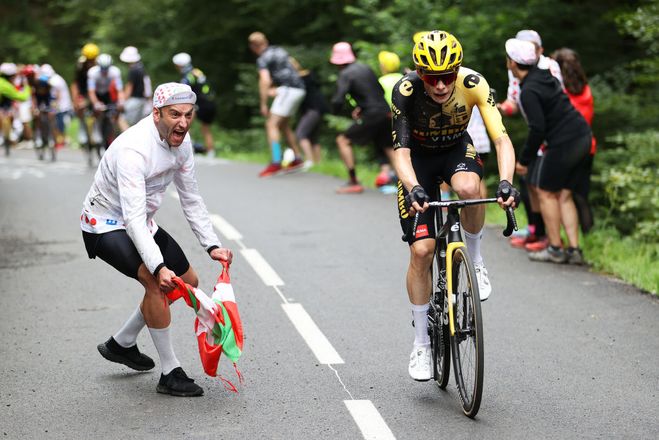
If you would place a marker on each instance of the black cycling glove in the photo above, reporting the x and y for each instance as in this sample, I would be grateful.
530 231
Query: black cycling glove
418 194
506 189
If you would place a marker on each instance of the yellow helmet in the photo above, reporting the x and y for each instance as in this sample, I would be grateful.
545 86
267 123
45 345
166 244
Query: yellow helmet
389 61
437 52
90 51
417 36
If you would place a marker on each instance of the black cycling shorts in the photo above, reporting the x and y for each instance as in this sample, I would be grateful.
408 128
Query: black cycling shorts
374 128
205 111
431 171
117 249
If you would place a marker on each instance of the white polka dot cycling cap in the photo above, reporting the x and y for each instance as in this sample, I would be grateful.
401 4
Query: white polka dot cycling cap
173 93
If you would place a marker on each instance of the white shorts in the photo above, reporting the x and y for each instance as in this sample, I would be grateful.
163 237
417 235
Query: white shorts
25 111
287 101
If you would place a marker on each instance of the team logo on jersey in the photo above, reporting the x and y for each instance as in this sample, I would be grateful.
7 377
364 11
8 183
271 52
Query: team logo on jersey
405 88
471 152
110 222
461 167
471 81
421 231
440 120
402 208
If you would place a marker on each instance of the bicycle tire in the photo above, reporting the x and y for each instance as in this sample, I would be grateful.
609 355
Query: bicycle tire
439 330
467 342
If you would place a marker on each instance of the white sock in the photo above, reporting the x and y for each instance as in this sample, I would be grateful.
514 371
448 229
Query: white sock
127 335
473 242
163 342
420 316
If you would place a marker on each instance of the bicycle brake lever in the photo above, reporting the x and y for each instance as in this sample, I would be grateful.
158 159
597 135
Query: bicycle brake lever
512 222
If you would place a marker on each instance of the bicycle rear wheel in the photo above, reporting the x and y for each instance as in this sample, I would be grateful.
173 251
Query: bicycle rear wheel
467 343
438 329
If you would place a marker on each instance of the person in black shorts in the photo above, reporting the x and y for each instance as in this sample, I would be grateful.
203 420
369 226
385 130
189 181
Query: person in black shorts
564 162
118 226
372 113
431 109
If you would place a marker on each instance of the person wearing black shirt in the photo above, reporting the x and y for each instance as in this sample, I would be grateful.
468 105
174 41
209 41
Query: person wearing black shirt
567 136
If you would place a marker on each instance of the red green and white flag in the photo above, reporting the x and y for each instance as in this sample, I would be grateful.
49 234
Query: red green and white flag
217 325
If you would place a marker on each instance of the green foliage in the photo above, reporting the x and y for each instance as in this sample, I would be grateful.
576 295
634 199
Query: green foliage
628 179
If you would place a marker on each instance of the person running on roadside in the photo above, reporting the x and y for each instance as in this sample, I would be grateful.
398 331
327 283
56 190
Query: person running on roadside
137 89
431 111
372 114
567 136
118 226
206 109
278 79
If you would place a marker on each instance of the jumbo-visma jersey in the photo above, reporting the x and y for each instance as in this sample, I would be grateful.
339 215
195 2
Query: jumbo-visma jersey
424 126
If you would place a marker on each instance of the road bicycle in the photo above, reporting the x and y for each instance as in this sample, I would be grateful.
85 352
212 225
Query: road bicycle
45 127
455 324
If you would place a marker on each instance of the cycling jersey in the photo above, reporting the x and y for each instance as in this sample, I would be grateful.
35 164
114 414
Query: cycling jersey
388 82
129 186
9 92
105 83
424 126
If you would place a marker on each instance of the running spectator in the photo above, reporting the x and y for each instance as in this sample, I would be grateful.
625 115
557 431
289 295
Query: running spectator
63 104
137 89
578 90
79 95
390 68
118 226
206 110
533 238
312 110
8 94
106 92
552 119
372 114
278 79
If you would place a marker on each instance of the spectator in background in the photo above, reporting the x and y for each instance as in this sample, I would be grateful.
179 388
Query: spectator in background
278 79
390 68
372 115
196 79
553 120
312 110
63 104
137 88
578 90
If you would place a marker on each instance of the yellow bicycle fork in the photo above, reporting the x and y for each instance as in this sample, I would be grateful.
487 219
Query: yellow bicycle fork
449 282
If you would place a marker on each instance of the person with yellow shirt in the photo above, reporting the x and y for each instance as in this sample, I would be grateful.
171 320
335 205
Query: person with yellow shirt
431 110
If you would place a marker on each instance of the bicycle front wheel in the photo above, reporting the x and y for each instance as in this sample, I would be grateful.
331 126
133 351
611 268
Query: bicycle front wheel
467 342
438 328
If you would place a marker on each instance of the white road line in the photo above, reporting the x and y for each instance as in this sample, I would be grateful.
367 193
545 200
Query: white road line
312 335
262 268
369 420
225 228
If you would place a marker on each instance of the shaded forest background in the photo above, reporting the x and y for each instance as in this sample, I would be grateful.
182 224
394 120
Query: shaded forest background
618 43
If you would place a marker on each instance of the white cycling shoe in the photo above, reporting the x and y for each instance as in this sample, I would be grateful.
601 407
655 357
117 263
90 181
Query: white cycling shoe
420 364
484 286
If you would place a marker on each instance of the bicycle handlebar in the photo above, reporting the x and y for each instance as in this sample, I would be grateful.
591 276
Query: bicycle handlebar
511 224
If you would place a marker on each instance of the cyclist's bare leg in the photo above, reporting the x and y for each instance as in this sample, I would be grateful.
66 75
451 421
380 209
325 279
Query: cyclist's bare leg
467 185
551 215
291 139
418 272
569 217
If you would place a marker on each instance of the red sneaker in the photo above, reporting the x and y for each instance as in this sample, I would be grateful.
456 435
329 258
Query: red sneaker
294 166
270 170
520 242
538 245
350 188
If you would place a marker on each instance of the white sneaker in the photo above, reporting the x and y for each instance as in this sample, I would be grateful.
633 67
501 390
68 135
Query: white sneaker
420 364
484 286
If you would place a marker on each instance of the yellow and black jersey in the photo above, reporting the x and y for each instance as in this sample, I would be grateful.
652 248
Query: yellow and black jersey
424 126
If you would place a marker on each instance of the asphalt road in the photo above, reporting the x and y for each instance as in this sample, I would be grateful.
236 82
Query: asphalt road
568 353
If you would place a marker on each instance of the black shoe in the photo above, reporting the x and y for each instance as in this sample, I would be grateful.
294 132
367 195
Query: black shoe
130 357
177 383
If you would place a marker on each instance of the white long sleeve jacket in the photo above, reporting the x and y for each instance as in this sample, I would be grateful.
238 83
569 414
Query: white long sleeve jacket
129 186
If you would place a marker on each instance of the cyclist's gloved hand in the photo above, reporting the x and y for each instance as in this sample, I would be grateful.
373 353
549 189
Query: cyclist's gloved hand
418 194
505 190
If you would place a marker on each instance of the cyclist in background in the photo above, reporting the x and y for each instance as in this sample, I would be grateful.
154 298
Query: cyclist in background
79 95
44 109
431 111
196 79
8 94
63 105
105 91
